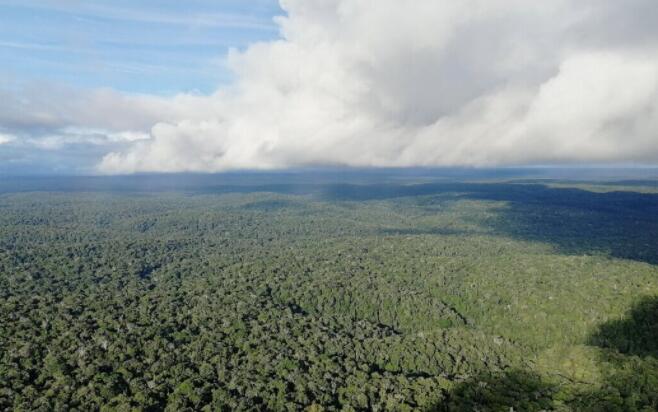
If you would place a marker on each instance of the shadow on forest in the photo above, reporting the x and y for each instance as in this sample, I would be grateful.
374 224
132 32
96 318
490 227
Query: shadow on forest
628 365
630 387
636 334
629 360
619 224
520 390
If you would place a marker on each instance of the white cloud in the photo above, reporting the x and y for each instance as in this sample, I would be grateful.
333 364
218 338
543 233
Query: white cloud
88 137
432 83
5 138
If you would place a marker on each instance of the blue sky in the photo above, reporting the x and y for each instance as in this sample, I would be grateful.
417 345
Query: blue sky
157 47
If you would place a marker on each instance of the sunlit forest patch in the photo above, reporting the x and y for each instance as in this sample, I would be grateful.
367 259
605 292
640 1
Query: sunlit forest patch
429 296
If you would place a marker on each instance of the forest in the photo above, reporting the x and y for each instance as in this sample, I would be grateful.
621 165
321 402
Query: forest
258 294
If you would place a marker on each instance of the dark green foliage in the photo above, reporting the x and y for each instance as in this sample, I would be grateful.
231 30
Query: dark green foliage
630 384
520 390
442 296
635 334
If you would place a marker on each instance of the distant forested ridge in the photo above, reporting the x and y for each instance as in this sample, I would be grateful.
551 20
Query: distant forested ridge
431 295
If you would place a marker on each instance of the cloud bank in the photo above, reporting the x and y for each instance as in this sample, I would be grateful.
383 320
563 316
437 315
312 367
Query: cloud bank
427 83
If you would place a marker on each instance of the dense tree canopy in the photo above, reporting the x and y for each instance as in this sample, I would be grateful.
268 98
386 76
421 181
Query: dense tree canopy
455 298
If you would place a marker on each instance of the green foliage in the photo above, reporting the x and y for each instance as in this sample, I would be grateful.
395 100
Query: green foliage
519 390
636 333
444 297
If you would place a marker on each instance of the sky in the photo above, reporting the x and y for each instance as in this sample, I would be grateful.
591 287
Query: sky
157 47
120 87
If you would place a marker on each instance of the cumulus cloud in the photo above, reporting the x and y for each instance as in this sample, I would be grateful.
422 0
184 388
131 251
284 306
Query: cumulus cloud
426 83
